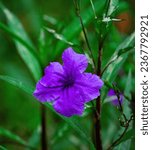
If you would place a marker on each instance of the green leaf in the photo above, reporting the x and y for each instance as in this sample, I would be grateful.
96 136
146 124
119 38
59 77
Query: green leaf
2 148
23 43
28 89
60 132
111 7
34 140
128 88
12 136
128 135
124 145
116 62
113 69
71 121
129 85
50 20
59 36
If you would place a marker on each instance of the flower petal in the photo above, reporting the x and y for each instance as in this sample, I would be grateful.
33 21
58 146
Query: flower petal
69 103
111 93
46 94
89 86
54 75
71 58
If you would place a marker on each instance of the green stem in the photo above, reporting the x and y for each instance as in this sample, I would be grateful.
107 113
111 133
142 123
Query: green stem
121 136
77 7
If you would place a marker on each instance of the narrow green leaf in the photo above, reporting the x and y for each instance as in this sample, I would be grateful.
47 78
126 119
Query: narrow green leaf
25 48
129 85
34 140
15 36
60 132
111 7
2 147
10 135
113 69
59 36
28 89
128 88
116 62
50 19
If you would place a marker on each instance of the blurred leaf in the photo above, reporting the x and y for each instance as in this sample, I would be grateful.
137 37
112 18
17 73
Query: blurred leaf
28 55
128 87
2 148
111 7
93 9
28 89
10 135
34 140
59 36
71 121
60 132
16 37
50 19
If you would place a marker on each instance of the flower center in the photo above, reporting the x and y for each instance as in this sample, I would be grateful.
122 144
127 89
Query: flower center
69 81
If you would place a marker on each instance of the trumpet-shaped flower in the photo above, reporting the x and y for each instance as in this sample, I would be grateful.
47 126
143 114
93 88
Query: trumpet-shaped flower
67 86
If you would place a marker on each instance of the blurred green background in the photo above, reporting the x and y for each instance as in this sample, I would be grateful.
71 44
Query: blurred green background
19 112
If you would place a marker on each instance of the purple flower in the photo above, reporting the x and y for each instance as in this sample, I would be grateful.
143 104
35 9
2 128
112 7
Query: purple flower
114 100
67 86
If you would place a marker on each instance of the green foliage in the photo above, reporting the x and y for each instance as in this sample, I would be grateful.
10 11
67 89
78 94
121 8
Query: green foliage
23 43
18 84
117 60
2 148
6 133
99 19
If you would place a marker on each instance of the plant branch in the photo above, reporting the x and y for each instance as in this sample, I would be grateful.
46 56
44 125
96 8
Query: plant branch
98 102
120 52
77 8
121 136
43 128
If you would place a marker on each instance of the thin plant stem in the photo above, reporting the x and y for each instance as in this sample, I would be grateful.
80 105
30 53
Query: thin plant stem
121 136
43 128
77 7
126 123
